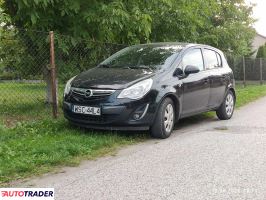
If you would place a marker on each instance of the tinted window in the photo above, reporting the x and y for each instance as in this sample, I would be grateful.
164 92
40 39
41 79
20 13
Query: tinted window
211 59
219 60
143 56
194 58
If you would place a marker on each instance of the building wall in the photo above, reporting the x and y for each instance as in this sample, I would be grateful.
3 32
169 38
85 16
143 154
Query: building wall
258 41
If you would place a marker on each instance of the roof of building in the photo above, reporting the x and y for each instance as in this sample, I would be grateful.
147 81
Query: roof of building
261 36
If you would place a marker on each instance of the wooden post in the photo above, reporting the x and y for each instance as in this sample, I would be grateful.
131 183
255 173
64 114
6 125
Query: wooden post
261 79
53 75
244 72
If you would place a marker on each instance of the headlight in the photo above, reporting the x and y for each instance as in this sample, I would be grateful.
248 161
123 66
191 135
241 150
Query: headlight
136 91
68 86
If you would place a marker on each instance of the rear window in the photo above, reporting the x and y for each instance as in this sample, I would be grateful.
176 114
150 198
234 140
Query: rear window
219 60
211 59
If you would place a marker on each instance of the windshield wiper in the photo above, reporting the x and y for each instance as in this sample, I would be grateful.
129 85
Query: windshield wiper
104 65
146 67
141 67
126 67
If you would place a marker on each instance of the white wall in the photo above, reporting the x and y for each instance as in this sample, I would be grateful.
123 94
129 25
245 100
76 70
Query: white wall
258 41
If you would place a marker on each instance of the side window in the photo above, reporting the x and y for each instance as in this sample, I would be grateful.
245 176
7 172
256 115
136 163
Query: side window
219 60
211 59
194 58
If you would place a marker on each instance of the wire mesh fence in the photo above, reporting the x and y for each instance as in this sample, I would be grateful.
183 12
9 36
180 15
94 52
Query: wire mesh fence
23 58
248 70
25 70
75 56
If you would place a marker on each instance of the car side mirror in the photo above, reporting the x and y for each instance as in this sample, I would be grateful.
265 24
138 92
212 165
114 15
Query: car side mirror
178 72
190 69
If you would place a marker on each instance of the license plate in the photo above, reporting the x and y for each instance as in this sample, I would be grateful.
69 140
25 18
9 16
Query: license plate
86 110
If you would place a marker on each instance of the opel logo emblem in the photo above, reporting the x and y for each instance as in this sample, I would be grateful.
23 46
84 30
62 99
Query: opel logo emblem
88 93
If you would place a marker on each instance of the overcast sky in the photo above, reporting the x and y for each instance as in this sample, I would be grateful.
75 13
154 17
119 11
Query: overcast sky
259 13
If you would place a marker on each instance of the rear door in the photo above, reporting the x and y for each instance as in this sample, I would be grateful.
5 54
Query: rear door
196 87
213 63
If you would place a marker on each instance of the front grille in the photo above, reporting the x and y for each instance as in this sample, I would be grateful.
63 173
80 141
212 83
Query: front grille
83 94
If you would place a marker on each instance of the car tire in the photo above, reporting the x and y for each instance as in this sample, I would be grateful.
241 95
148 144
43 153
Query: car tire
165 120
226 110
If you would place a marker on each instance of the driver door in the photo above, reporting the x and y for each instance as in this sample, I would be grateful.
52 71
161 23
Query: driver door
196 87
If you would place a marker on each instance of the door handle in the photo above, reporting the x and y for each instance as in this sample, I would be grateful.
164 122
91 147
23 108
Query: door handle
206 80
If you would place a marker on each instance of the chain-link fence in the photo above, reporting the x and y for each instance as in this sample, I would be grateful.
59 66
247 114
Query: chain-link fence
26 81
248 70
23 59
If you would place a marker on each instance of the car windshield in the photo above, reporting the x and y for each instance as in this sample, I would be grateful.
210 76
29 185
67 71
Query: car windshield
143 57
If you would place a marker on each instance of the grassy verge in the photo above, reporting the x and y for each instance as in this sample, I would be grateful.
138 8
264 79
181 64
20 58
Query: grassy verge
37 147
24 101
249 94
33 148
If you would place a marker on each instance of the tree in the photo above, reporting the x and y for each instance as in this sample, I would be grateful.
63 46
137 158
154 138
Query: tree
93 25
261 52
222 23
6 46
99 21
109 21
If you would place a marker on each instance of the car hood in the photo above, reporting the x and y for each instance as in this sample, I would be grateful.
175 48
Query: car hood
110 78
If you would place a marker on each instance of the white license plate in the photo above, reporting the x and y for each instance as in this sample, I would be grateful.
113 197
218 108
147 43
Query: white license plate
86 110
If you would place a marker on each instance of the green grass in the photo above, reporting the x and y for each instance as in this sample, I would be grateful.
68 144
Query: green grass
249 94
35 147
24 101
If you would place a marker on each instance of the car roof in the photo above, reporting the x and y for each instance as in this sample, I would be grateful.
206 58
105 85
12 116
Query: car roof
183 45
161 44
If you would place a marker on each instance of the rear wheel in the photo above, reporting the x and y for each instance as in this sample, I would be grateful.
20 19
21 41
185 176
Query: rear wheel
164 121
226 110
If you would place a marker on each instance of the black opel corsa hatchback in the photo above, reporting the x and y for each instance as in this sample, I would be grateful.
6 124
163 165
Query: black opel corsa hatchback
150 87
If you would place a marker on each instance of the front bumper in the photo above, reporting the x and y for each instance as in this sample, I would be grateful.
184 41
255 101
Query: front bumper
113 117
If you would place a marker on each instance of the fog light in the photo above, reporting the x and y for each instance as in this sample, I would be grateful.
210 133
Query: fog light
140 112
136 116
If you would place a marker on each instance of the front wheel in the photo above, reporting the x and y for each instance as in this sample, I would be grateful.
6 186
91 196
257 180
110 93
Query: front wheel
164 121
227 108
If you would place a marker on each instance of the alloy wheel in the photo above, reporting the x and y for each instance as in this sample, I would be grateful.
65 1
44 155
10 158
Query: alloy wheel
169 117
229 104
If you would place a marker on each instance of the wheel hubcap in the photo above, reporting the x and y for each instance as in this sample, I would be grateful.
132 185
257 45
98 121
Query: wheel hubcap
229 104
169 117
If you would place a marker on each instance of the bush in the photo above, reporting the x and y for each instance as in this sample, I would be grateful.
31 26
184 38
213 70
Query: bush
7 76
261 52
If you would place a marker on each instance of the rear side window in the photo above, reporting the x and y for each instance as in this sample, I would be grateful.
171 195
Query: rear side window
211 59
194 58
219 60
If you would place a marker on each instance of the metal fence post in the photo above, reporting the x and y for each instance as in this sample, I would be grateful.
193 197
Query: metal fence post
261 79
53 75
244 72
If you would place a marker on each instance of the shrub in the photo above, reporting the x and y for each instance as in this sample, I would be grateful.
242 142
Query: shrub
261 51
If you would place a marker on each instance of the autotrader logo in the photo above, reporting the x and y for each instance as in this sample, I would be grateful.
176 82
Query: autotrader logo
26 193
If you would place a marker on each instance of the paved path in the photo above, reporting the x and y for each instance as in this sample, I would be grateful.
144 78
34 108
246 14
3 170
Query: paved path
206 159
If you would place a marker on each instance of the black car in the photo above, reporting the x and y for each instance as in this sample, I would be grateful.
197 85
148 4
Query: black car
150 87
